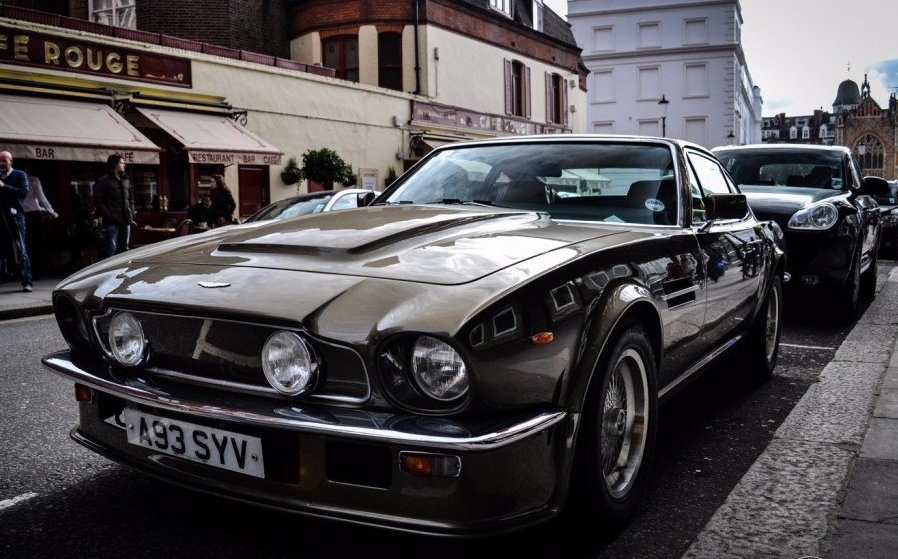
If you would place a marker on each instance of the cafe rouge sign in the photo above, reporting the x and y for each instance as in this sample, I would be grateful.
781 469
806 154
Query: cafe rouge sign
18 46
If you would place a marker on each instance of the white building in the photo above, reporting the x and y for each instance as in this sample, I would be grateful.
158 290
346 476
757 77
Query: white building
687 53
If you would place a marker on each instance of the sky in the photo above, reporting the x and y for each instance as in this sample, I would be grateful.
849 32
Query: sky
799 51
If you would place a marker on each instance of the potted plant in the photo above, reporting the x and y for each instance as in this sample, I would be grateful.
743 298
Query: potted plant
325 167
291 174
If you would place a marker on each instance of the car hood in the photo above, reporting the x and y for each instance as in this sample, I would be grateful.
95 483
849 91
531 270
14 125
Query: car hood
426 244
779 203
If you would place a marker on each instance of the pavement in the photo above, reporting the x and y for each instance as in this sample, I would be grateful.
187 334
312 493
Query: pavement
826 486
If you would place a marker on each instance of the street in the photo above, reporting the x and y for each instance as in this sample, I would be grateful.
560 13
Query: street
58 499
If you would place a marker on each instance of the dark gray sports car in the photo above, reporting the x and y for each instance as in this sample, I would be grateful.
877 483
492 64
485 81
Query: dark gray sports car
481 348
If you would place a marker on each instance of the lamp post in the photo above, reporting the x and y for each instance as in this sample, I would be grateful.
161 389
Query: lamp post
731 137
664 103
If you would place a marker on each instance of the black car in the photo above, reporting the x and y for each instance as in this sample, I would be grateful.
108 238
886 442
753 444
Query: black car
831 221
484 346
888 209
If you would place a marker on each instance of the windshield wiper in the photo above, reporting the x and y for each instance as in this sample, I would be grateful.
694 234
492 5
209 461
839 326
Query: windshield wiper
464 202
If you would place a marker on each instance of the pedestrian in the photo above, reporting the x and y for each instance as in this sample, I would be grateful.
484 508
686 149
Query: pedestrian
223 204
202 213
36 205
14 184
114 203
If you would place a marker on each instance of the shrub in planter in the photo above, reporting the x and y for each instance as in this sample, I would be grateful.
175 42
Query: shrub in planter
325 167
291 174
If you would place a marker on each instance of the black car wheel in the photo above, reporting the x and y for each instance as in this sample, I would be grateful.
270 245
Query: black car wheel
619 431
851 291
868 279
763 343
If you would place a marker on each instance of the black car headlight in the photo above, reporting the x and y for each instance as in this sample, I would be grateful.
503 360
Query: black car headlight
127 342
287 363
438 369
816 218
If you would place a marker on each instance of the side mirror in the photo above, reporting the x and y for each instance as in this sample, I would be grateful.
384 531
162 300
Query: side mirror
876 187
725 206
364 199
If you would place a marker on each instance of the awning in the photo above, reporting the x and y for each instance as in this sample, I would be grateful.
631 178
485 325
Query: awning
214 139
65 130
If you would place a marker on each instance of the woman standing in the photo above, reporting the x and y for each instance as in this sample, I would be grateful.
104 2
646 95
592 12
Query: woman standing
223 204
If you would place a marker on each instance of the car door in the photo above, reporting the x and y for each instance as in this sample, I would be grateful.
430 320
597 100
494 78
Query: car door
868 214
733 251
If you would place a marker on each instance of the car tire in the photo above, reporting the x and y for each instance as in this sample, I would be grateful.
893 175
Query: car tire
618 434
763 343
868 279
848 304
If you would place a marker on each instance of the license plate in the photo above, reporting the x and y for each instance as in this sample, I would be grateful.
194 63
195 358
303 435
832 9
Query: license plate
213 447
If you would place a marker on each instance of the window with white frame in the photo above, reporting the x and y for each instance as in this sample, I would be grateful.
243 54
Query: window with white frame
793 133
649 83
697 84
805 133
606 127
649 35
503 6
538 15
120 13
603 90
696 31
603 38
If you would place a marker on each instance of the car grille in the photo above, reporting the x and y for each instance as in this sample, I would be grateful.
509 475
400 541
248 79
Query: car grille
227 354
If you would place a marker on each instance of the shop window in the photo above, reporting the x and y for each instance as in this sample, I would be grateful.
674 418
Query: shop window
517 89
342 54
389 60
556 99
120 13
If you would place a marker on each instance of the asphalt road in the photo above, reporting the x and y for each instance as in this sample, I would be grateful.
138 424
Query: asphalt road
58 499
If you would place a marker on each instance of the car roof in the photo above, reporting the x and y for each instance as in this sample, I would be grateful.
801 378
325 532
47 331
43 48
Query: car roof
781 147
562 138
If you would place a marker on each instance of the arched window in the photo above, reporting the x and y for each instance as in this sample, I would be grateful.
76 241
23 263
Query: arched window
823 131
869 152
342 54
793 133
805 133
389 60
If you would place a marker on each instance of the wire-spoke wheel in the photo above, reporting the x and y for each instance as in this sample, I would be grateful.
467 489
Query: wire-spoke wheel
616 443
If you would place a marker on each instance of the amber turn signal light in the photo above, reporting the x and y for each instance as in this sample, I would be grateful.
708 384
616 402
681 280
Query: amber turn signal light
438 465
83 393
542 338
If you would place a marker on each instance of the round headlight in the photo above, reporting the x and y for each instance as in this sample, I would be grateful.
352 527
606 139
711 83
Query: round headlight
438 369
287 363
126 340
819 216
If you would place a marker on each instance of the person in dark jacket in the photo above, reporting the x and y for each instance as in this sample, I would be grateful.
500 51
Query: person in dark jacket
202 213
223 204
114 202
14 185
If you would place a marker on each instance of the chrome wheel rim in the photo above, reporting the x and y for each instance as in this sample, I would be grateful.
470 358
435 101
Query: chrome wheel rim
773 323
625 416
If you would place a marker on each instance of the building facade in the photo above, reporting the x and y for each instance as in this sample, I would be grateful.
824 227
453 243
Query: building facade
667 67
818 128
182 109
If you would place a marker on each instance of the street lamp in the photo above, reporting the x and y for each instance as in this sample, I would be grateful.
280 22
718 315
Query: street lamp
664 103
731 137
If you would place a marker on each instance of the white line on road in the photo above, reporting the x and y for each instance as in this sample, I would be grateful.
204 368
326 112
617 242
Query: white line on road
16 500
808 346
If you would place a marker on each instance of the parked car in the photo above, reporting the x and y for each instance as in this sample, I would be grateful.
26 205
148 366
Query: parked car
828 212
313 203
888 209
472 353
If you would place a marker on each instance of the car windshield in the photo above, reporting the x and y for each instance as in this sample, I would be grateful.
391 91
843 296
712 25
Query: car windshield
624 182
285 209
798 168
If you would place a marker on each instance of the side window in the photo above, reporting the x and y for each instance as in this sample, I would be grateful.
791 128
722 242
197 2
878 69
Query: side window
697 199
711 177
345 201
856 174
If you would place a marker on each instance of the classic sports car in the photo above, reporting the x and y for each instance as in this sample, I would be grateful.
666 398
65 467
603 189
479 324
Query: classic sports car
482 347
830 218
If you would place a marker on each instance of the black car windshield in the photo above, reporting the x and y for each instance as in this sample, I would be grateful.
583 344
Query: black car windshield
793 168
292 207
624 182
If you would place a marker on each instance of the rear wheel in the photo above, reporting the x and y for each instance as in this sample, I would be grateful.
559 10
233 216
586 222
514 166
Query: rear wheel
851 291
618 438
868 279
762 346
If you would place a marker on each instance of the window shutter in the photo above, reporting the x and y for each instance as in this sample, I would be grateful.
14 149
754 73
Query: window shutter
564 108
509 93
526 93
550 100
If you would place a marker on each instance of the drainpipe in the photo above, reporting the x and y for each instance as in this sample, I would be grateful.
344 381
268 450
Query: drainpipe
416 4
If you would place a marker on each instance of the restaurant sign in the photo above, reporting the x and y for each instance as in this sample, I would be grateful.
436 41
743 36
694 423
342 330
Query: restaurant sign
24 47
230 158
423 113
39 152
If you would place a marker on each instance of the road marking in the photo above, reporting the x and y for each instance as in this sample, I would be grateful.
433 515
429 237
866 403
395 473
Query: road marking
27 318
808 347
16 500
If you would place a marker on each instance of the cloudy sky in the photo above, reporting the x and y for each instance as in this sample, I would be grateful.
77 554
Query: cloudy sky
798 51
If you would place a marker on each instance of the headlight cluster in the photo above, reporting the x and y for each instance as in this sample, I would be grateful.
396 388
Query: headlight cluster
126 339
424 372
817 217
287 363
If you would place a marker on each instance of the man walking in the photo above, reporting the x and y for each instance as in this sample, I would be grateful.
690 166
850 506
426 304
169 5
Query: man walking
114 203
14 185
